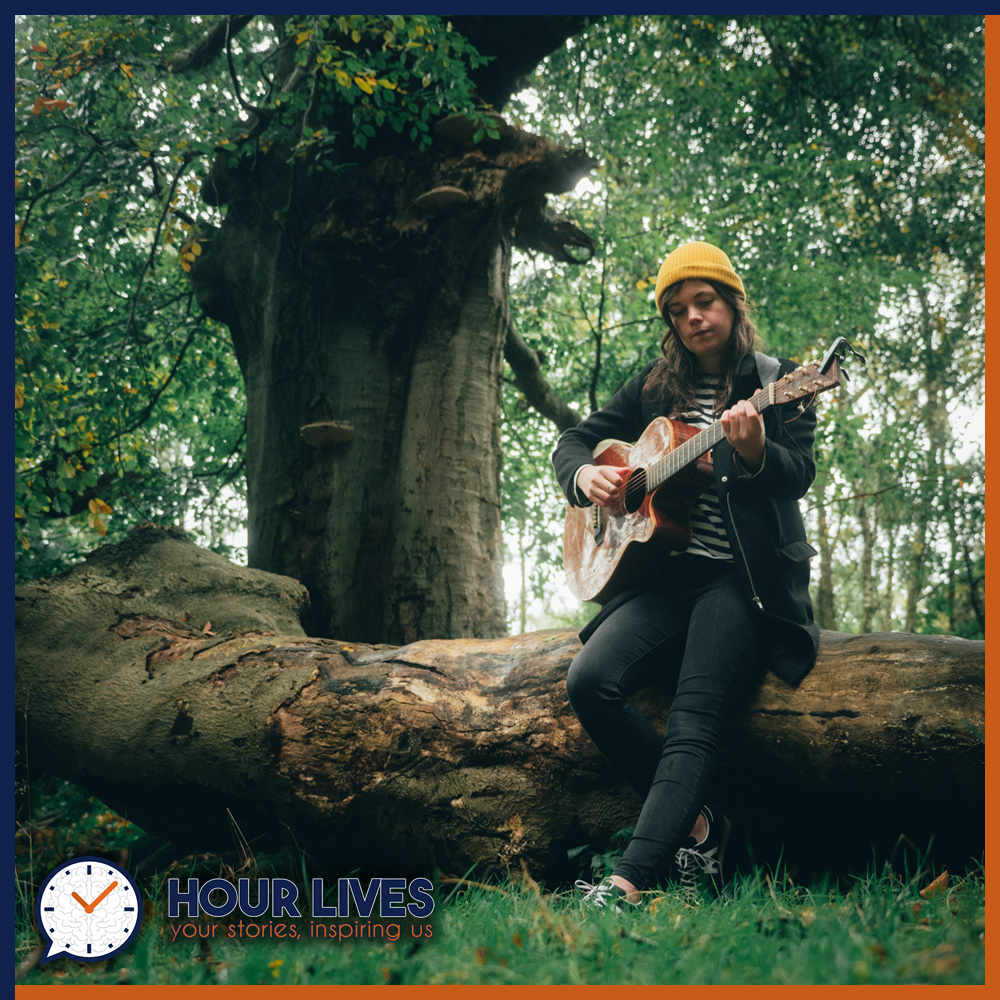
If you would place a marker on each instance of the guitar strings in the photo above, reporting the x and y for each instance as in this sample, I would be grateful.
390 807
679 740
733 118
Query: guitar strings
636 484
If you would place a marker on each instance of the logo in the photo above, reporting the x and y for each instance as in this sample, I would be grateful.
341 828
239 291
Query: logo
89 909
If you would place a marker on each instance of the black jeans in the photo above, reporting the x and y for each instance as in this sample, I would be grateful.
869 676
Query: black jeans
699 622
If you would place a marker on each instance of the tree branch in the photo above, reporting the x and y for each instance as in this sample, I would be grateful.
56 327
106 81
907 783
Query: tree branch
515 45
155 397
211 44
526 365
263 116
539 229
38 196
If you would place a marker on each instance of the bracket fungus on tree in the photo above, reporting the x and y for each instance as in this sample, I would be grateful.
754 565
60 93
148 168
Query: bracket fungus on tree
439 198
326 433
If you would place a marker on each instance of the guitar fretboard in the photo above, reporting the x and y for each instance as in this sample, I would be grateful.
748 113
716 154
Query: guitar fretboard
685 454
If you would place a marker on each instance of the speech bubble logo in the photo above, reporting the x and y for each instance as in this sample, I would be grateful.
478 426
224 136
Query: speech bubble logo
88 909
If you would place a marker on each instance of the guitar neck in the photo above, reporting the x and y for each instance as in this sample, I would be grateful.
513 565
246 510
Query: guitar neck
698 444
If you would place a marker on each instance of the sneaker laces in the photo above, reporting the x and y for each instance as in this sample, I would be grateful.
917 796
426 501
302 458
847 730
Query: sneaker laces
690 858
604 894
692 862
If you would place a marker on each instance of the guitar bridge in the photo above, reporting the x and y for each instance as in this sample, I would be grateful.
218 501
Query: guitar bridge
597 524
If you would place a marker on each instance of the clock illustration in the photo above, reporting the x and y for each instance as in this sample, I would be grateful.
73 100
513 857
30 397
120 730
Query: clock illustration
89 909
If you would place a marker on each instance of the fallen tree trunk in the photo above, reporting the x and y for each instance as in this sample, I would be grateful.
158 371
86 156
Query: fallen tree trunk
181 690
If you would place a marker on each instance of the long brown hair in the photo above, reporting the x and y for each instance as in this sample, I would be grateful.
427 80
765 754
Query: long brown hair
675 378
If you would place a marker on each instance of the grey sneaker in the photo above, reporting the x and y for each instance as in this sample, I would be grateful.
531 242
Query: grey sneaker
604 895
704 861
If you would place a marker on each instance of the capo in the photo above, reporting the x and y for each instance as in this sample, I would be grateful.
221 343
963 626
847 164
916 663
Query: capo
838 349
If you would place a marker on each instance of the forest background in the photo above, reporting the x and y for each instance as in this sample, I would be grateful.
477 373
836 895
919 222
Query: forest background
838 160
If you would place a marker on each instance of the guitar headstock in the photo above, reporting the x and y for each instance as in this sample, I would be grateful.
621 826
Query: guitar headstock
804 382
813 378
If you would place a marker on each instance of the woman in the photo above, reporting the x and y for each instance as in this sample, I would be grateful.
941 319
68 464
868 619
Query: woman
734 603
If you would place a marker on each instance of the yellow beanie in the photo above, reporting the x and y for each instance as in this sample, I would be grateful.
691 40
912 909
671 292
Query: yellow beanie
696 260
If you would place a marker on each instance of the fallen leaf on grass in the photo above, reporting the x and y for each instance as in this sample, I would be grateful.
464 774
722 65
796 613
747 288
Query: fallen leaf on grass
937 886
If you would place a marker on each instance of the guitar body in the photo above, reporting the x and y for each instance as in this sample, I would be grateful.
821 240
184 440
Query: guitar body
606 550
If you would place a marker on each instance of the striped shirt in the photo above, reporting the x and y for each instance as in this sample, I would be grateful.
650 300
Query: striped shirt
707 528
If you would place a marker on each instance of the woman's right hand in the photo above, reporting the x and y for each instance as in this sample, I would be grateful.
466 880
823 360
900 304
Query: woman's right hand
602 484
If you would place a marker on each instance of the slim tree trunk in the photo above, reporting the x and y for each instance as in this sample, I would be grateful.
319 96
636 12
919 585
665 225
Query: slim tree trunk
953 571
522 555
916 572
826 616
889 561
866 568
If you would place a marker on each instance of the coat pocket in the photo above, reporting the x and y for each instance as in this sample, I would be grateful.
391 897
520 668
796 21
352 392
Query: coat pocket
797 551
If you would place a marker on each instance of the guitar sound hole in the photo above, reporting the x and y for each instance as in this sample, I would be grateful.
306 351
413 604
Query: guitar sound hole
635 490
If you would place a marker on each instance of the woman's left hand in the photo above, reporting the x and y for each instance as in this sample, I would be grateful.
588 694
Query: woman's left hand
744 430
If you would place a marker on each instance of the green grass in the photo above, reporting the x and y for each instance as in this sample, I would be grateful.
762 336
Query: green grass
873 929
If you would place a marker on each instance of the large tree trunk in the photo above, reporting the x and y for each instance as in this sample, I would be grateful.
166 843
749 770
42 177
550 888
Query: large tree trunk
366 294
181 690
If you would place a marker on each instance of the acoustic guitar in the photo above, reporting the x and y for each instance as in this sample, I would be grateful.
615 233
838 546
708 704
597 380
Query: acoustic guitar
608 549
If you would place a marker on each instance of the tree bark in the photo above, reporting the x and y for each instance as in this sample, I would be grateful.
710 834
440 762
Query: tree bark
181 690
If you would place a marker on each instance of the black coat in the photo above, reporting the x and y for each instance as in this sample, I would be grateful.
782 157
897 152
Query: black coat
761 513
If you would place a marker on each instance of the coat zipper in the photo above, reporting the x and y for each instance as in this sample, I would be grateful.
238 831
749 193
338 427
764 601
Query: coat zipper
739 545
